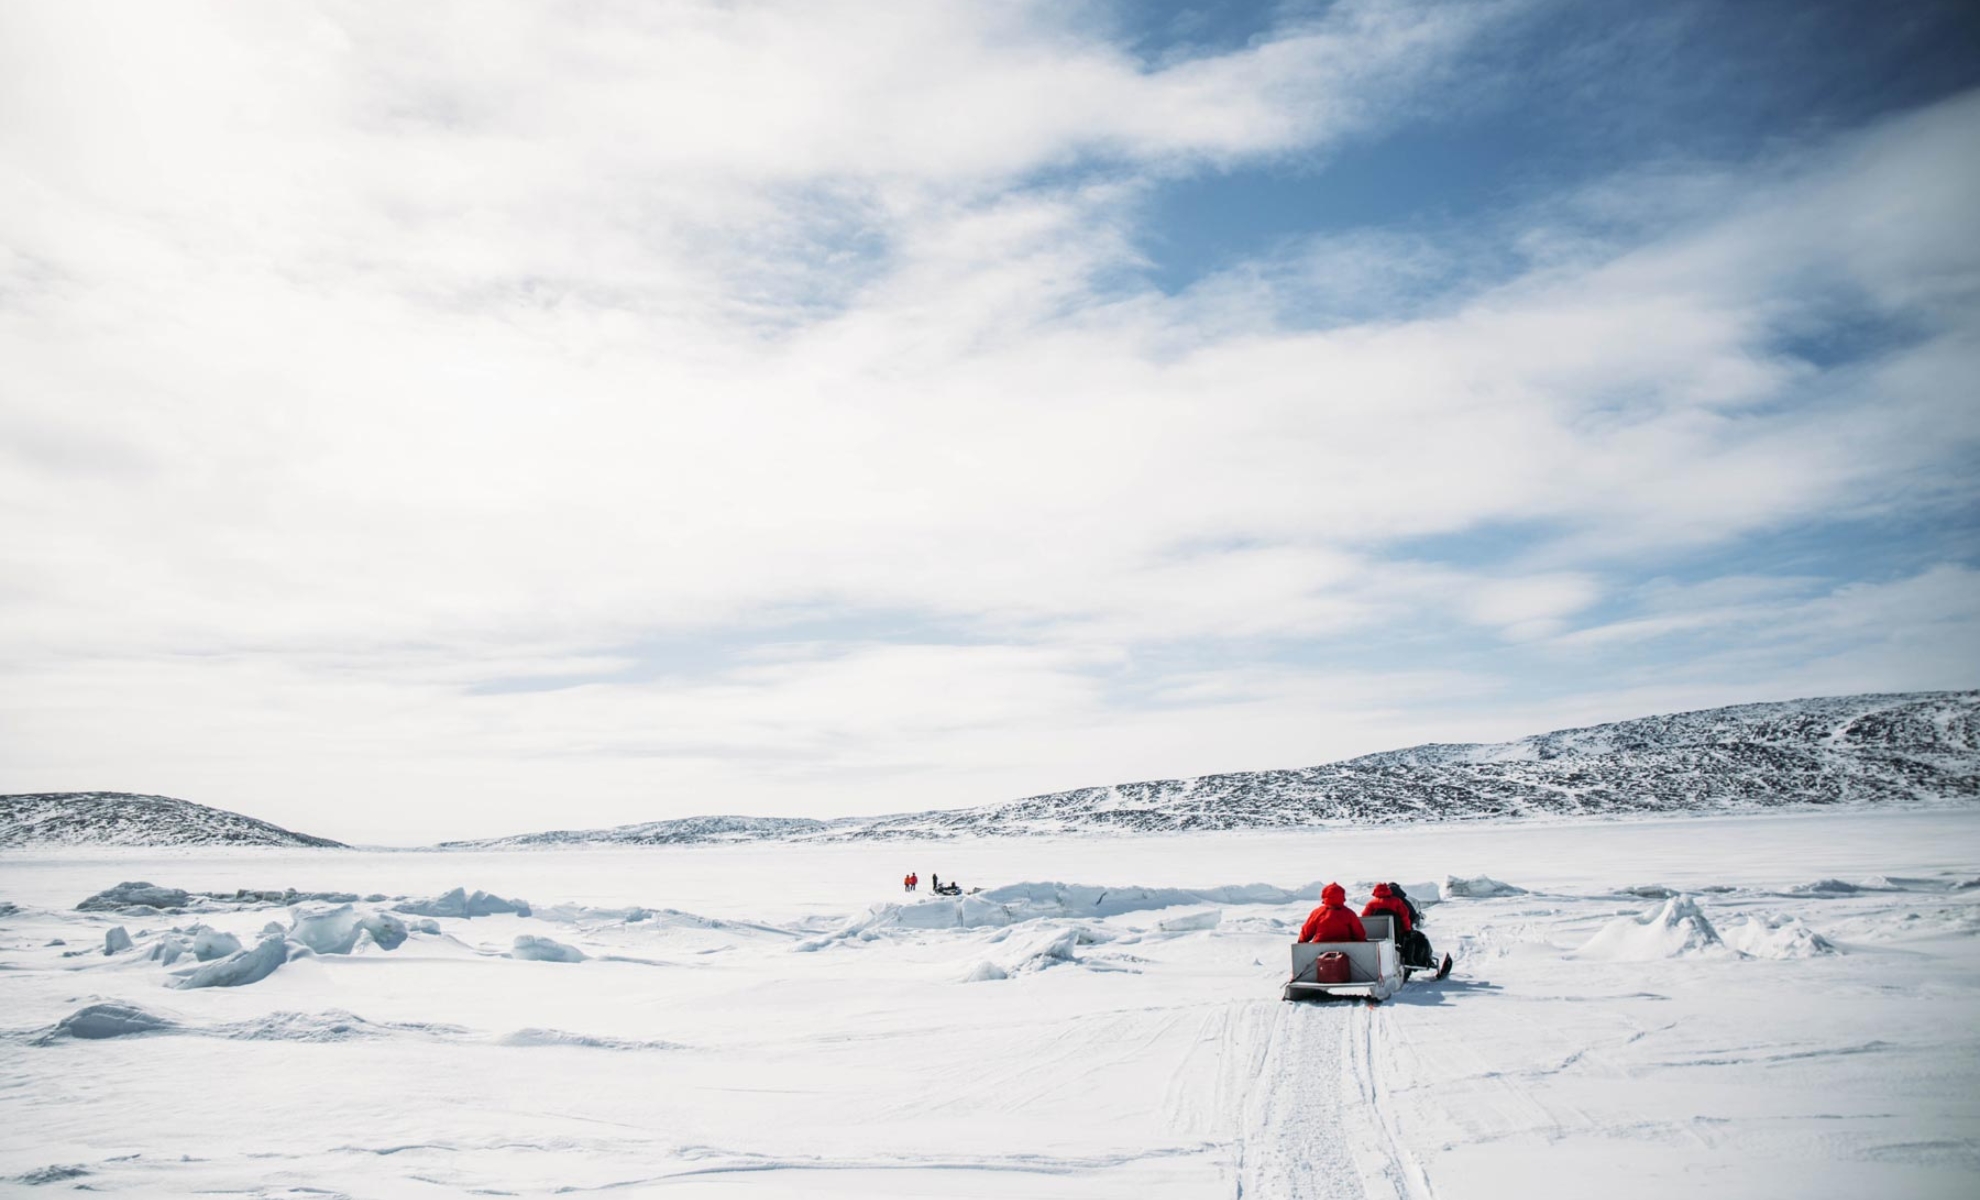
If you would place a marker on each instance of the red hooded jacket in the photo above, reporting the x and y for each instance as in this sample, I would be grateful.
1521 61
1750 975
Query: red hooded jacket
1333 921
1386 901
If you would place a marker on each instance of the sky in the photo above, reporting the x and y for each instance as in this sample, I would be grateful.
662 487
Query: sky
450 420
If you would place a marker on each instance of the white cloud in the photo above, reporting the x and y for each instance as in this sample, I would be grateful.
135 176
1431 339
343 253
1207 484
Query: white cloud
1915 632
359 357
1531 605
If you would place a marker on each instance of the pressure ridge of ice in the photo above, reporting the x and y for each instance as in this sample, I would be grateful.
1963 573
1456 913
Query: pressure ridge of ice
460 903
337 930
239 970
1017 902
138 897
135 895
543 949
1478 887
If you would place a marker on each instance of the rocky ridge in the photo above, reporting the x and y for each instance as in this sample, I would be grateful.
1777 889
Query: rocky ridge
126 819
1849 750
677 831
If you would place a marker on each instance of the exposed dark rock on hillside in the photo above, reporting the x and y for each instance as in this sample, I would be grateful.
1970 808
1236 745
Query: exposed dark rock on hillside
123 819
1850 750
1837 751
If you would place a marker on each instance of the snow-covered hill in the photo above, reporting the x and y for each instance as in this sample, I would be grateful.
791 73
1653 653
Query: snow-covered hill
666 833
1849 750
1838 751
1843 750
123 819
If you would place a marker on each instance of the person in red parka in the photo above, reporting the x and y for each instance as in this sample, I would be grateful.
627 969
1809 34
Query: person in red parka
1415 949
1333 921
1386 901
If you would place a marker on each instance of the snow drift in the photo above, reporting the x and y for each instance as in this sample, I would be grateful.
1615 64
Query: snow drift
1675 929
1779 937
94 1022
588 1041
1041 950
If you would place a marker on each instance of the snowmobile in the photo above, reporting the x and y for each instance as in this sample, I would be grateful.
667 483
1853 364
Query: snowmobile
949 889
1372 970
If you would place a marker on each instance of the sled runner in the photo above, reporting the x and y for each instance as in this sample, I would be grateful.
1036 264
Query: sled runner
1371 970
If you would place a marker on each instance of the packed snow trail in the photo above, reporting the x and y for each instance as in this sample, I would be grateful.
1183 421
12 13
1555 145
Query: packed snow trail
1294 1143
1317 1106
1372 1063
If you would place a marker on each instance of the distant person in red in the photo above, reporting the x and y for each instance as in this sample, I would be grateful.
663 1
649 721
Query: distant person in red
1333 921
1386 901
910 880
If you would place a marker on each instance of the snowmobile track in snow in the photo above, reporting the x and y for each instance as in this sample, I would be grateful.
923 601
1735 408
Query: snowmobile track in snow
1293 1142
1371 1060
1316 1121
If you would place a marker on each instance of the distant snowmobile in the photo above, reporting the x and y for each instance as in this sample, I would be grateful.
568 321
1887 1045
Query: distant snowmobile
949 889
1372 970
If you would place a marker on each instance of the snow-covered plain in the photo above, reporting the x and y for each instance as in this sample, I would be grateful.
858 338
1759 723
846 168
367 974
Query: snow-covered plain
1786 1005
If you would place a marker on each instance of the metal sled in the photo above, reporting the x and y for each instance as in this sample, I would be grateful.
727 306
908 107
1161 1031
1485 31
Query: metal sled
1375 970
